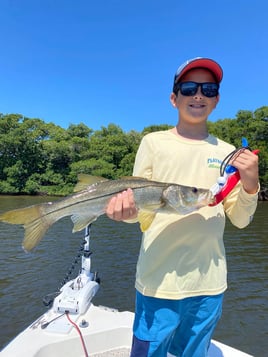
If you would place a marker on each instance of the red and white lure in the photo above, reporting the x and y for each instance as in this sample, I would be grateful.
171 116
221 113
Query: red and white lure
229 176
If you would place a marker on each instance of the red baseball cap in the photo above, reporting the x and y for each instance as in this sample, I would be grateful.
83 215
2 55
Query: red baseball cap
199 62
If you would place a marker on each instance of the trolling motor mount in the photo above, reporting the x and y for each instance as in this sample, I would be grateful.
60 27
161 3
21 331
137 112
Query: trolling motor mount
76 295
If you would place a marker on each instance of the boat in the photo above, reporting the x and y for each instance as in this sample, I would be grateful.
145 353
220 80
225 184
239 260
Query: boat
74 327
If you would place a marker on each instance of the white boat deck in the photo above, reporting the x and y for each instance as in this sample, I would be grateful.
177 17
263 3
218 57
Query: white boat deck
118 352
107 333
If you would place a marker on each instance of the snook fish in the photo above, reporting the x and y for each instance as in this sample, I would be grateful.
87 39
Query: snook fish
86 205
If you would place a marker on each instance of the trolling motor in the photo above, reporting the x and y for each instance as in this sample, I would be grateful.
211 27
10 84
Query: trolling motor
75 296
229 176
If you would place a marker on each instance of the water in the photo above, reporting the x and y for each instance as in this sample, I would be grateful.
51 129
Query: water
26 278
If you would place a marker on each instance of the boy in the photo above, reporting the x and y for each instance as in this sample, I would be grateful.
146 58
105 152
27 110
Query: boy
181 270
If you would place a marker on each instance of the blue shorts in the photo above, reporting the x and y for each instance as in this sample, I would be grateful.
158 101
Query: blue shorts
183 328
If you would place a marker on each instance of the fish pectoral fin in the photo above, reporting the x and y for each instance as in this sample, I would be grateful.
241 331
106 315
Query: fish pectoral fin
82 221
85 180
145 219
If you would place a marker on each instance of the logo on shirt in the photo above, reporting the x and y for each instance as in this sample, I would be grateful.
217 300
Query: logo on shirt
214 163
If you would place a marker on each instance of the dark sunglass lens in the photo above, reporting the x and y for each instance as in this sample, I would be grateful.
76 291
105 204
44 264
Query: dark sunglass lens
210 89
188 88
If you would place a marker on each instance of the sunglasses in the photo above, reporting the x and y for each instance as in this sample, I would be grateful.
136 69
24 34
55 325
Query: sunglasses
188 89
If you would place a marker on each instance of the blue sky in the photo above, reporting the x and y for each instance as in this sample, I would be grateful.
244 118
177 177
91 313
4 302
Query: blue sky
113 61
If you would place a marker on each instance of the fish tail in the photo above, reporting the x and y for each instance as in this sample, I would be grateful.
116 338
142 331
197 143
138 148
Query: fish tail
34 223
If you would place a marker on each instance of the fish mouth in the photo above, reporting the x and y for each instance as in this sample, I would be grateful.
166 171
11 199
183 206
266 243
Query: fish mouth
207 198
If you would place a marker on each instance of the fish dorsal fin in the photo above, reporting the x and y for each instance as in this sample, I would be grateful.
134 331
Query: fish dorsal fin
145 219
85 180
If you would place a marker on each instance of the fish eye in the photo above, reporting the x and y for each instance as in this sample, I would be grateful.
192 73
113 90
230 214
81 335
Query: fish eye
194 189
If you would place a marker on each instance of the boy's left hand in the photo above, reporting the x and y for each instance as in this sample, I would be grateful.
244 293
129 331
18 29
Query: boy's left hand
246 163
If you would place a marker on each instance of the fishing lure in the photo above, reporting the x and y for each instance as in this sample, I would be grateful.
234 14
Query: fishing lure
229 176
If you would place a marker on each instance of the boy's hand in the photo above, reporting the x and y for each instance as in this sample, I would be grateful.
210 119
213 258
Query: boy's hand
122 206
247 164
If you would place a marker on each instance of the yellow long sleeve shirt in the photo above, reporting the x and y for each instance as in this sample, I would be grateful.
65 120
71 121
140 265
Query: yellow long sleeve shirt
183 255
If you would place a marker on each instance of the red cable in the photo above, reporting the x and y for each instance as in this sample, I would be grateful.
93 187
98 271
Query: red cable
79 332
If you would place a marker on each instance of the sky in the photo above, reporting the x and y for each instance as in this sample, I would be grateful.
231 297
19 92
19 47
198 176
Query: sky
113 61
